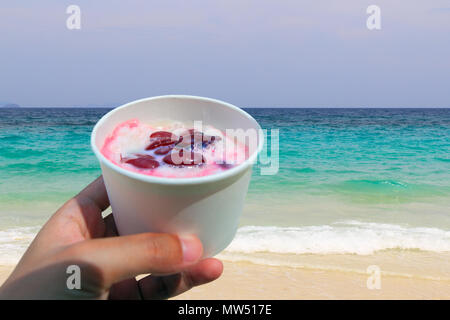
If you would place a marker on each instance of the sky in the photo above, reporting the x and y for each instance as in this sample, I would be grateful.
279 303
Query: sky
252 53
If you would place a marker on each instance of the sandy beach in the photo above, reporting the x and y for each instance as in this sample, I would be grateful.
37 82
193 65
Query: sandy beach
5 272
250 281
245 280
404 275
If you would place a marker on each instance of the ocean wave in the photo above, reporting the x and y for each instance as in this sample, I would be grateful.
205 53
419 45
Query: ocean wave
351 237
372 185
388 190
14 242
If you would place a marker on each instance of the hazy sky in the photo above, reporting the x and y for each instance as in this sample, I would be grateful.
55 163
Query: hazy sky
248 52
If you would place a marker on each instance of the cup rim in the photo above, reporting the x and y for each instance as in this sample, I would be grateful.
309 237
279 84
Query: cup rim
175 181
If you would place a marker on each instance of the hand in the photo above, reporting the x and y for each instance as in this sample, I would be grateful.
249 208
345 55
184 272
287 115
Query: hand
78 235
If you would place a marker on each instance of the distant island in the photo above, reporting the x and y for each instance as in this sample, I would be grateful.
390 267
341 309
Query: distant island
9 105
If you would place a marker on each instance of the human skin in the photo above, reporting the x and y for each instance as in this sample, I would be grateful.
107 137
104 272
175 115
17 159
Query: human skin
77 234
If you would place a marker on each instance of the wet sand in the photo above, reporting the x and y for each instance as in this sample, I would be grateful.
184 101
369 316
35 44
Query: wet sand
251 281
404 275
5 271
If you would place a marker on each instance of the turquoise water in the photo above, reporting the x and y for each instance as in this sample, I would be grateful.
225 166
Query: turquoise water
354 173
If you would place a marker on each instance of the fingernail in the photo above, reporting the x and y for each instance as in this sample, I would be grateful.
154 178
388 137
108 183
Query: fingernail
192 249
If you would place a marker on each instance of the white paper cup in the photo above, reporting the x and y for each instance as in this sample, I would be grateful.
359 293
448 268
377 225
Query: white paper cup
209 206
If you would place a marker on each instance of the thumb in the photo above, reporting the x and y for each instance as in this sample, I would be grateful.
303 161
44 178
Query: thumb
124 257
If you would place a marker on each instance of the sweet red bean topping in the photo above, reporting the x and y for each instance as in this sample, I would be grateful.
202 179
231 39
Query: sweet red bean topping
164 149
143 162
161 138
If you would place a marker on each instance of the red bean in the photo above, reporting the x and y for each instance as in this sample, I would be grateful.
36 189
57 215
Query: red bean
161 138
143 162
164 149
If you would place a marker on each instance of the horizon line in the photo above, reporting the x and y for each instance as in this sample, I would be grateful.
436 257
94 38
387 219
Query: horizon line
243 107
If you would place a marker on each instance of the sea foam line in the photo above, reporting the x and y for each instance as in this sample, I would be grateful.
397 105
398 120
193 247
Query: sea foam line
351 237
14 242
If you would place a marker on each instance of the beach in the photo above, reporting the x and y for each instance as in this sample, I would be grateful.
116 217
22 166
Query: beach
250 281
356 191
5 271
244 280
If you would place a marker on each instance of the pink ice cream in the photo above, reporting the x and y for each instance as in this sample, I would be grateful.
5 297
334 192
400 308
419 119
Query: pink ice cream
173 150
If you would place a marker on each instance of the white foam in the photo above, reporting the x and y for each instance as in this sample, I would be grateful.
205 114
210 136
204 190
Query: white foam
14 242
350 237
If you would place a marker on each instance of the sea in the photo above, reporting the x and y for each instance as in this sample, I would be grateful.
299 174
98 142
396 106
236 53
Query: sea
350 182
